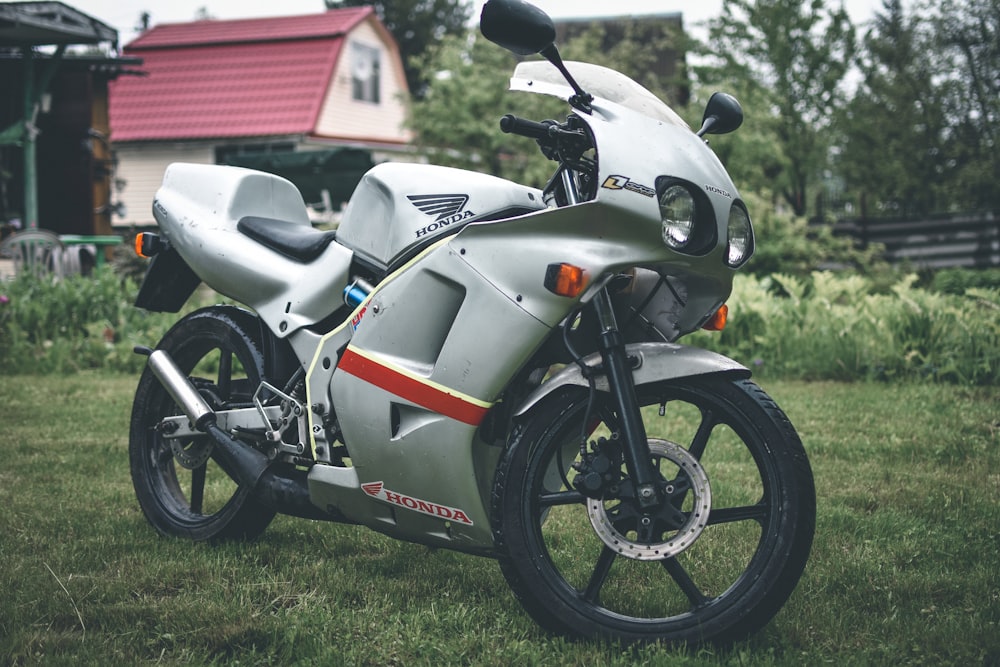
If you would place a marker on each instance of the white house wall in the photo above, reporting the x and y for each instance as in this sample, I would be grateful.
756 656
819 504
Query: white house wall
142 167
343 117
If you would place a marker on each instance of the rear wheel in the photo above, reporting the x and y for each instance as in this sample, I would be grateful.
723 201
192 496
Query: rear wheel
713 561
182 490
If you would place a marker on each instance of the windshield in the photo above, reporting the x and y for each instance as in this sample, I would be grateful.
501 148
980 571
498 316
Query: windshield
539 76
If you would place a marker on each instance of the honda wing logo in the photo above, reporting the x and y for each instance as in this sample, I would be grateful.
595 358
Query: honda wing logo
447 210
443 206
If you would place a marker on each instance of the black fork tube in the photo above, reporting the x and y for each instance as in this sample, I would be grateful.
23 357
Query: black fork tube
618 369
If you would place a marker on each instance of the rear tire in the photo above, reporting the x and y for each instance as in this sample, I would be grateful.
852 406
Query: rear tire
182 491
725 582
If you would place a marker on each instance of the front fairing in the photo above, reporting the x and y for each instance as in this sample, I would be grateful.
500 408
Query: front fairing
641 142
638 138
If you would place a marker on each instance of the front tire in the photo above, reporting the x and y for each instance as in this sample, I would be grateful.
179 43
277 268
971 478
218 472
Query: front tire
626 573
182 491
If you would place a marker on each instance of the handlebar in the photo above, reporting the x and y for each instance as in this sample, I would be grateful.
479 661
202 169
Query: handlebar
511 124
565 144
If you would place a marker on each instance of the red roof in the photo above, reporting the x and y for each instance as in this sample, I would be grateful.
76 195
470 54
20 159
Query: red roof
215 79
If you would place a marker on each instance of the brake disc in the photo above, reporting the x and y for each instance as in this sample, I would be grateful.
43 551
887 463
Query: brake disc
191 453
671 541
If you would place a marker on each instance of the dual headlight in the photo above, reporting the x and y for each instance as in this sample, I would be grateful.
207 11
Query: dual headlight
688 223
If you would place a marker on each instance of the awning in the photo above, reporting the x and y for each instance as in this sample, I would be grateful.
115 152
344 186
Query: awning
42 23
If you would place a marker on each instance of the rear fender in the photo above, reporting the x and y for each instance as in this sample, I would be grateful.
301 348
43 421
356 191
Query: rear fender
168 284
653 362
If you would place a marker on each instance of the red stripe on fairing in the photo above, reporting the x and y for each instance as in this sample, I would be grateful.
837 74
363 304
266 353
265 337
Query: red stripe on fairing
411 389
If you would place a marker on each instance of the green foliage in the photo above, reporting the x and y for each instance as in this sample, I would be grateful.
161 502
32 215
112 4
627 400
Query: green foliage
416 25
927 110
838 327
957 281
86 581
79 322
896 114
790 58
787 243
967 37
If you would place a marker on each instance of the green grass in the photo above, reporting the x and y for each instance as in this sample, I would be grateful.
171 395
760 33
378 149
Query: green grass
905 567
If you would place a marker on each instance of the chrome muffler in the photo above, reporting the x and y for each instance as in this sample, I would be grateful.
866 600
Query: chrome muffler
244 464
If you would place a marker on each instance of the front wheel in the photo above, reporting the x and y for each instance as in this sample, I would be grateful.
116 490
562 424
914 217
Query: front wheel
714 560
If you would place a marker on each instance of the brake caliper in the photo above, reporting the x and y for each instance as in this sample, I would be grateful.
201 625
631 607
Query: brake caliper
600 470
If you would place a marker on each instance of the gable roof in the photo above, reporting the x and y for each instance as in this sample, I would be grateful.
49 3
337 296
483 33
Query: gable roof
218 79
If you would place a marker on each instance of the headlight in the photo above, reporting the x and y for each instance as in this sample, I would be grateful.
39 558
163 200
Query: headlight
739 243
677 214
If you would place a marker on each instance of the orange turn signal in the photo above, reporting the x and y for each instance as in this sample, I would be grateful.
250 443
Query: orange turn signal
565 279
148 244
717 322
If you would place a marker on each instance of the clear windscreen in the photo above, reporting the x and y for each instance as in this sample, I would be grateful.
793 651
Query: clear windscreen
540 76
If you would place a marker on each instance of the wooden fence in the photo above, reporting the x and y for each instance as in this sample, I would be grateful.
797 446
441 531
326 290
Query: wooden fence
966 240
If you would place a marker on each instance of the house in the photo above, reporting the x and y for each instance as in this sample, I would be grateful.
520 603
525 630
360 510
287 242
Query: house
216 91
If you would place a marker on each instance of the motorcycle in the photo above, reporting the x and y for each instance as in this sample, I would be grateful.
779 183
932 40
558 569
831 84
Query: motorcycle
479 365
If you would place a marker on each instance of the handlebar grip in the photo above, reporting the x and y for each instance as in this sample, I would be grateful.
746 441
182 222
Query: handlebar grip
511 124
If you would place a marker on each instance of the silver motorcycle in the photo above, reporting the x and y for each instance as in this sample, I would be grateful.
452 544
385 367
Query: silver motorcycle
474 364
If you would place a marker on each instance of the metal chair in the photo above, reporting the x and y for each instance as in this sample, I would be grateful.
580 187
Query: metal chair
35 251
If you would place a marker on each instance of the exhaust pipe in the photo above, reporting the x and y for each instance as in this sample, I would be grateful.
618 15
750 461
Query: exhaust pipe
244 464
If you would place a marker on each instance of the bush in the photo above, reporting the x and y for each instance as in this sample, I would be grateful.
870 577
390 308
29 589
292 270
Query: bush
840 327
789 244
817 326
957 281
78 322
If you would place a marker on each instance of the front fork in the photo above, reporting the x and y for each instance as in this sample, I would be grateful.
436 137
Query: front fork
618 369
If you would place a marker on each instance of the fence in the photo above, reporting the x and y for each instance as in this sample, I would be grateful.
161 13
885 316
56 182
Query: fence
965 240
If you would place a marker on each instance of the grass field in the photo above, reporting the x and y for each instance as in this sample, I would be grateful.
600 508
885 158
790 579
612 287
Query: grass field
905 568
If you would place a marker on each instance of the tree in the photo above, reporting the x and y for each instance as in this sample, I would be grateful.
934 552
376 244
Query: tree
457 120
416 25
792 55
893 149
968 40
923 130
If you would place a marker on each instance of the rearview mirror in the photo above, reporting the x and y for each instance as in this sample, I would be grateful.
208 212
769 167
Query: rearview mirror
517 26
723 114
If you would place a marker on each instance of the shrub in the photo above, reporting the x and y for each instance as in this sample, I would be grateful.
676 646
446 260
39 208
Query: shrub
838 326
957 281
59 326
822 325
789 244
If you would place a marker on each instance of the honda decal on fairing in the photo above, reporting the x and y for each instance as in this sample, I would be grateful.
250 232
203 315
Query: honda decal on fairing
378 490
447 208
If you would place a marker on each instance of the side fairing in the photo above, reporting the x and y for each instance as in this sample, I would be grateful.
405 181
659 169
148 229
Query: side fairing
431 352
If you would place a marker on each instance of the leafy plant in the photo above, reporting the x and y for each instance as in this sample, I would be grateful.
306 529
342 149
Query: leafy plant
840 327
78 322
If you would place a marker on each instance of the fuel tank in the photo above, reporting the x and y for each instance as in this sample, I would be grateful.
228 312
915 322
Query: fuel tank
399 208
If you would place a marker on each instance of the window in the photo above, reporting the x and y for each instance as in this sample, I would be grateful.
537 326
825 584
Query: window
365 73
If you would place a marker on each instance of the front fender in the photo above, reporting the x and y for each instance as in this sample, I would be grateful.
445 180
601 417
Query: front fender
656 361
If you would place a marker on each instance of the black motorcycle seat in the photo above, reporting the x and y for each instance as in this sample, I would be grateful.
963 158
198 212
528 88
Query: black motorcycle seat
291 239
